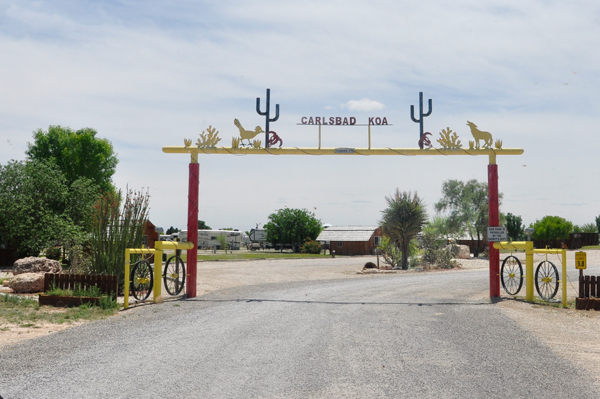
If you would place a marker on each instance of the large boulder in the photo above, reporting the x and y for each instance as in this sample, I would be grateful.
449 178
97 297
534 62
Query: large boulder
27 282
36 265
464 252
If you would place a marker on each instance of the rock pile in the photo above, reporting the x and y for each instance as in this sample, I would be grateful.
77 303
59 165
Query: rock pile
29 274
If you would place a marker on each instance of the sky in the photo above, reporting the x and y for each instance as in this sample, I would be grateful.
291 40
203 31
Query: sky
150 74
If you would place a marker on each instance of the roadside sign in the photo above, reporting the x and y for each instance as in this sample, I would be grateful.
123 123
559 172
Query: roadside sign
580 260
496 234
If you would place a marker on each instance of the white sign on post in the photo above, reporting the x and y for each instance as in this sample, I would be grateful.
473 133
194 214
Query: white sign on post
496 234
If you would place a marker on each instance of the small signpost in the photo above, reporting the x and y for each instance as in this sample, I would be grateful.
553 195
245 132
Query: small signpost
497 234
580 264
580 260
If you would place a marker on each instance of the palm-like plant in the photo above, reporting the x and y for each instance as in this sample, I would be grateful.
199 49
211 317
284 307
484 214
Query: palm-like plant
402 220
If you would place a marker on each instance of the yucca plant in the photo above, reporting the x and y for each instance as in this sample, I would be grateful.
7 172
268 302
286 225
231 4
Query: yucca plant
402 220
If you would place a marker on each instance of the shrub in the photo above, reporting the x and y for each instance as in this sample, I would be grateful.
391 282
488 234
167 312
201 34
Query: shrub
311 247
551 228
390 253
53 253
116 228
435 253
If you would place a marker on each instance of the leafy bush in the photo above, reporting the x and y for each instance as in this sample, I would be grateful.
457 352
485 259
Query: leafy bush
551 228
108 302
53 253
435 253
586 228
311 246
390 253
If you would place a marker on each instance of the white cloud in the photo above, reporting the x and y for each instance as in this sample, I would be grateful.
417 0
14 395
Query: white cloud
363 105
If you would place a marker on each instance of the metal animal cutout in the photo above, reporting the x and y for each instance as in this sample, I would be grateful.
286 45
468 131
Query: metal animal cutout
480 135
424 141
247 134
274 139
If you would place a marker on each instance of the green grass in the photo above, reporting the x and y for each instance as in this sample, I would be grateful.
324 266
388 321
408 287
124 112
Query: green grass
591 247
92 291
26 312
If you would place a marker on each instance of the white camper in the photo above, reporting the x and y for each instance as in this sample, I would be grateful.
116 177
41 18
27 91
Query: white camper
209 238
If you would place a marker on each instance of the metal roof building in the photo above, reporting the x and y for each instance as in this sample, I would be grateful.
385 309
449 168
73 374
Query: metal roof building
351 240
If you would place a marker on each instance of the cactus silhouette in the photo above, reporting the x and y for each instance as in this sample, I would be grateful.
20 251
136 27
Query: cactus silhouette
267 114
421 116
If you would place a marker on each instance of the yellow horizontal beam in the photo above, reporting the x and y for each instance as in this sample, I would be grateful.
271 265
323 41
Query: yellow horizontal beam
141 250
341 151
173 245
548 251
511 245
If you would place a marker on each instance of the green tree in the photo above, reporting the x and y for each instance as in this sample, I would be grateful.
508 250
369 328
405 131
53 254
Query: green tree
514 227
223 242
36 208
77 154
172 230
203 226
551 228
402 220
467 205
292 227
586 228
598 224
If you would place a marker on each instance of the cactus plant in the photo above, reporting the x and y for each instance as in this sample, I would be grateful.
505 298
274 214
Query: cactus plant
267 114
187 142
256 143
235 142
498 144
421 116
471 144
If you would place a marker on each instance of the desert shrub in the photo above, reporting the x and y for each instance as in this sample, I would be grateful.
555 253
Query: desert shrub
390 253
116 228
311 247
79 258
435 253
551 228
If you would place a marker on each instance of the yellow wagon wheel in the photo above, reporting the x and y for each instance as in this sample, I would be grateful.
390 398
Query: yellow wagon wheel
546 280
511 275
142 280
174 275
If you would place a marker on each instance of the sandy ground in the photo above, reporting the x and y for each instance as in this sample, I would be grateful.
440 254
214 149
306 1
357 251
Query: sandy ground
571 333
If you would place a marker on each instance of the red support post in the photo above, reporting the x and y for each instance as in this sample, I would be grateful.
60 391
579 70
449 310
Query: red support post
192 228
494 221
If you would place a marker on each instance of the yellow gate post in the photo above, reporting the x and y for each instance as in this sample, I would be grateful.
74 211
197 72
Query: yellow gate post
529 251
563 281
528 247
159 246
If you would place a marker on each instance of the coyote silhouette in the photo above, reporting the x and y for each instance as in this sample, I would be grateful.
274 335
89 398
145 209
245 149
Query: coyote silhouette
480 135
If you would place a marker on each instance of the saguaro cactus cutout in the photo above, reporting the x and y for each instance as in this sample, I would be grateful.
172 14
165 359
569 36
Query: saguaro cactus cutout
267 114
421 116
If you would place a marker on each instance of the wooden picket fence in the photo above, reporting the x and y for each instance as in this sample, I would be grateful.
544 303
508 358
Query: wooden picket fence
589 293
106 284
